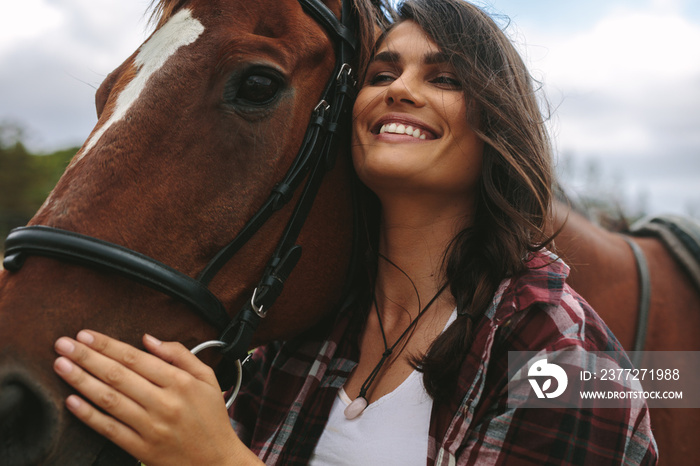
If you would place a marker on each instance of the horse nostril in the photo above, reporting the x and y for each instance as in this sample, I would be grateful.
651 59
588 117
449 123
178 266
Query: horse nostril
27 421
11 398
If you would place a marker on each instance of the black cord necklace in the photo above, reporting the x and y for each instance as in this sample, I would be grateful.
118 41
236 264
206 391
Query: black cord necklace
359 404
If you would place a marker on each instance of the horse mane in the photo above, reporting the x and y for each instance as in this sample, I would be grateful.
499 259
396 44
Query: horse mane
163 10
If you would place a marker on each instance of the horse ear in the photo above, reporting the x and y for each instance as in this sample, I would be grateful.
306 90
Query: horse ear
103 92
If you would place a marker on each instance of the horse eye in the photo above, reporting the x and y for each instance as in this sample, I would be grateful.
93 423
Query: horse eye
257 89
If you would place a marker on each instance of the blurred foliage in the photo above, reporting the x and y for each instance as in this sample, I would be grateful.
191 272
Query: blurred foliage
26 178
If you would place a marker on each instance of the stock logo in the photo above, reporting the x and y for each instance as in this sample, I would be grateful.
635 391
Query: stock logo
542 369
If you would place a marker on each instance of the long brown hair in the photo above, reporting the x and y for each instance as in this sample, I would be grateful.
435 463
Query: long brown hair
515 186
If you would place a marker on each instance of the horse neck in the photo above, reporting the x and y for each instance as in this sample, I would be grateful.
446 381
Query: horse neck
578 238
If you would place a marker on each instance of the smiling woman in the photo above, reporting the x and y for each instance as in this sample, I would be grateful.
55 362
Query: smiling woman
429 149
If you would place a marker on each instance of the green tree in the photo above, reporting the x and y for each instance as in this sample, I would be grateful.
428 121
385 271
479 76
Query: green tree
25 178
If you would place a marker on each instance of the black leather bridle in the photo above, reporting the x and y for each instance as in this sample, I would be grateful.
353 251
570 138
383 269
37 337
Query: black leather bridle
315 158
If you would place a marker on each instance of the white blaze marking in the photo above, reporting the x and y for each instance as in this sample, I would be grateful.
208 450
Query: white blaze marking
182 29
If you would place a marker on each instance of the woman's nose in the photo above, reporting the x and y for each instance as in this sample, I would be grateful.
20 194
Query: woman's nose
405 90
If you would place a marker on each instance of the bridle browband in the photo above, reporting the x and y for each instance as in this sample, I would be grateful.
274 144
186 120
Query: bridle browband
315 158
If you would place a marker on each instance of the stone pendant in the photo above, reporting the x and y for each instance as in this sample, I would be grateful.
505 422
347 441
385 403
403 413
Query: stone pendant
355 408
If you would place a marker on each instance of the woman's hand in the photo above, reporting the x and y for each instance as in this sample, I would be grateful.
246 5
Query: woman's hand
163 408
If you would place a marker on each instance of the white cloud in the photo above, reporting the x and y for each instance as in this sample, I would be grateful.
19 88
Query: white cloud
668 5
628 51
625 84
25 20
626 96
54 54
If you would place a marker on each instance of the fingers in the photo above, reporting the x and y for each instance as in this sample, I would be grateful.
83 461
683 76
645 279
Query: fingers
179 356
103 424
116 369
101 394
146 365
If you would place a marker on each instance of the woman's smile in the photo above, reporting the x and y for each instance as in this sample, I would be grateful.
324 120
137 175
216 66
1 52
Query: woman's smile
403 124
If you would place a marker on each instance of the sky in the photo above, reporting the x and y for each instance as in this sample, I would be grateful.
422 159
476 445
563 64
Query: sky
620 80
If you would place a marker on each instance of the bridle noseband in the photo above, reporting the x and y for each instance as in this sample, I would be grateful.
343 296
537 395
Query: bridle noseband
315 158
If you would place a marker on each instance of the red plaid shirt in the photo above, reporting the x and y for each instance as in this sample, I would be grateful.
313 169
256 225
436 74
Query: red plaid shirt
283 407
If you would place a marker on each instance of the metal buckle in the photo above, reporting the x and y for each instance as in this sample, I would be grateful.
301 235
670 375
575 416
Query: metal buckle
345 68
258 309
322 105
239 366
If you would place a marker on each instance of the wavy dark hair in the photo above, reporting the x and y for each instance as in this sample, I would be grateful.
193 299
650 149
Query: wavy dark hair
514 191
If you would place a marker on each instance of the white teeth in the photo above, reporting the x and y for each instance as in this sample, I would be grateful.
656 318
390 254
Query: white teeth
402 129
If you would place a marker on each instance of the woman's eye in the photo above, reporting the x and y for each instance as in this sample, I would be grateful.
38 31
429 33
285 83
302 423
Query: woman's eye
381 78
447 81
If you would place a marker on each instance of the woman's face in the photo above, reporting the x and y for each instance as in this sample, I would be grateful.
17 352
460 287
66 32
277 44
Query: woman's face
410 122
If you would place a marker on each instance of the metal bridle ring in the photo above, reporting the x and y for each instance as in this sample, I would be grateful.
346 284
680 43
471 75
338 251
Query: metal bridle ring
239 367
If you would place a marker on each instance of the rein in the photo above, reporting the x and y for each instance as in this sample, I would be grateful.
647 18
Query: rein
644 281
315 157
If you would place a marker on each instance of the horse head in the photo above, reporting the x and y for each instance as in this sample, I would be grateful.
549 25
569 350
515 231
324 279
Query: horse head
195 131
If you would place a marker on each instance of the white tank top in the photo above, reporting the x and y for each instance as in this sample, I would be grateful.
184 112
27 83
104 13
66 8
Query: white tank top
392 430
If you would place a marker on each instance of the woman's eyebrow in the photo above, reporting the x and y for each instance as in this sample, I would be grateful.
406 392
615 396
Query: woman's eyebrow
436 58
387 57
432 58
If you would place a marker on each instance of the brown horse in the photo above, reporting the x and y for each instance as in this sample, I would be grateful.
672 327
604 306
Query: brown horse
195 131
604 272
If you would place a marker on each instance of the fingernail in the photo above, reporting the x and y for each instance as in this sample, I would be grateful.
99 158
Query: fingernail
85 337
63 366
153 340
73 402
64 346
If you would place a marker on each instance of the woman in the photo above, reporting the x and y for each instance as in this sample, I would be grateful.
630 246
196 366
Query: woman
450 146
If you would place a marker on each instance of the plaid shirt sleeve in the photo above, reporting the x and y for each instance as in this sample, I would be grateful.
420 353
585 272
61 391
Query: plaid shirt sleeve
537 312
